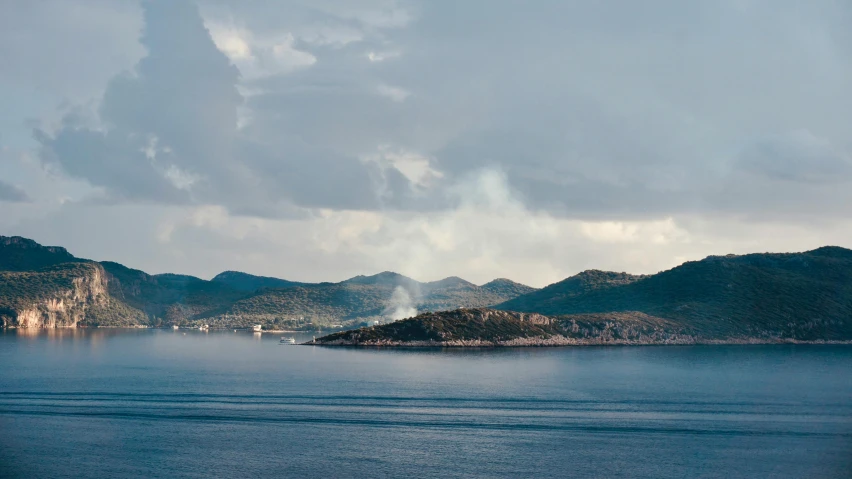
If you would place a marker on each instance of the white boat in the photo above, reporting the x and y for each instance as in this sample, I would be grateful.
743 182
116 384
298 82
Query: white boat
287 340
175 326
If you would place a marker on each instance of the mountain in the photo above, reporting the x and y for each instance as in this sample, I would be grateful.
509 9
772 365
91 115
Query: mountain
386 278
363 298
41 287
755 298
454 292
803 296
249 282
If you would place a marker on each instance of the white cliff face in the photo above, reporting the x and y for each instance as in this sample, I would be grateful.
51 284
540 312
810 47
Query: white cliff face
66 307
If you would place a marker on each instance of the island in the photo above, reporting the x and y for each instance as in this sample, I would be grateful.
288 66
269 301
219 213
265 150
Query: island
485 327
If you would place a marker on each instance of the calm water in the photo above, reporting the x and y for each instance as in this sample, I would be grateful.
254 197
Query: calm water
167 404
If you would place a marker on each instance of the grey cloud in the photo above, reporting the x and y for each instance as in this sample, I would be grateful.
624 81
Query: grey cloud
176 115
613 110
621 110
114 160
794 177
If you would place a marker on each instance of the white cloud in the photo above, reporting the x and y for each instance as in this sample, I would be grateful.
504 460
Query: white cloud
658 232
181 179
259 56
322 35
231 41
395 93
416 168
376 57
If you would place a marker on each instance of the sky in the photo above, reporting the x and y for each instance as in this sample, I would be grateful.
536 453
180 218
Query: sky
315 140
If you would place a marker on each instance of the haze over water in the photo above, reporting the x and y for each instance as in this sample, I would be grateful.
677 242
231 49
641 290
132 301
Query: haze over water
154 403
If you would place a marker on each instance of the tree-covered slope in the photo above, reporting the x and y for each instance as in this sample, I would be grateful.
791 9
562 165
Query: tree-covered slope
557 293
798 295
234 299
169 298
363 298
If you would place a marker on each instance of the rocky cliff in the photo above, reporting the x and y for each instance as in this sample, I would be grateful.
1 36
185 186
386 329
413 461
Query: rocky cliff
61 296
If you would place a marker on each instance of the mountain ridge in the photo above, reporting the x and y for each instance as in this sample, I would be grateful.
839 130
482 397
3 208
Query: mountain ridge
803 296
231 298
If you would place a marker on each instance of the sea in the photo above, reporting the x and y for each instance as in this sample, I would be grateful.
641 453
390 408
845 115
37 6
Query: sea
113 403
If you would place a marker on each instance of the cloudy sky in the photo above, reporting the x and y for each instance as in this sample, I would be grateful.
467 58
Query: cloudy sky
319 139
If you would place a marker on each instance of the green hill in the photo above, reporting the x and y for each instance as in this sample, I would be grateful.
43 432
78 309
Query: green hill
453 292
249 282
22 254
805 296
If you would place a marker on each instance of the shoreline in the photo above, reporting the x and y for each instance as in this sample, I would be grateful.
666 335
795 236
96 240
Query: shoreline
562 343
551 342
242 330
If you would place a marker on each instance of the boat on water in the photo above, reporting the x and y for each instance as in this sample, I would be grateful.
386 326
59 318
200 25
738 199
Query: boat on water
287 340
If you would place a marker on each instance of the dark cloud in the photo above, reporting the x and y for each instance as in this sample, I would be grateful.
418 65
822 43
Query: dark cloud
798 157
12 193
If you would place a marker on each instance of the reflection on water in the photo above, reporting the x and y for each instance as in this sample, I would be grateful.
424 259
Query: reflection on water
94 336
188 403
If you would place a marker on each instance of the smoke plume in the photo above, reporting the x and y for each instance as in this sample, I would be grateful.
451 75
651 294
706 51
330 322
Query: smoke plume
400 305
